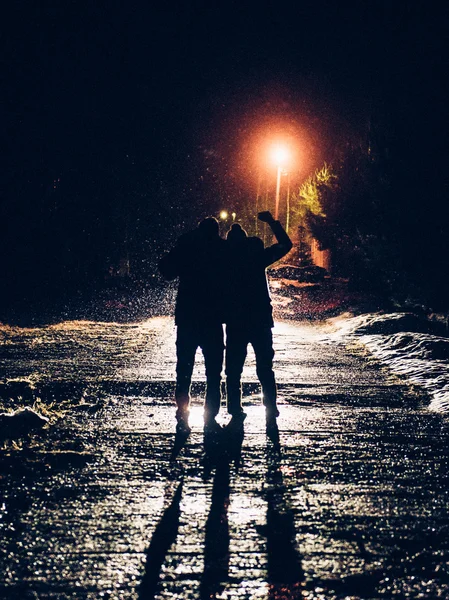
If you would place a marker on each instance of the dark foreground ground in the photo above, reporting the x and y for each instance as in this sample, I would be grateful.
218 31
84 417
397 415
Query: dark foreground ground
107 503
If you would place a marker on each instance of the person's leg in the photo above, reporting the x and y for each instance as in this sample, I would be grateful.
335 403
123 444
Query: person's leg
212 345
186 345
262 342
236 349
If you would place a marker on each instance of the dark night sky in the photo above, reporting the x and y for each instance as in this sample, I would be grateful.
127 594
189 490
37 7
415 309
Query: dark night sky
140 114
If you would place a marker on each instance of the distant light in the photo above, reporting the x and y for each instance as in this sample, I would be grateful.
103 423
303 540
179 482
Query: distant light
224 215
233 215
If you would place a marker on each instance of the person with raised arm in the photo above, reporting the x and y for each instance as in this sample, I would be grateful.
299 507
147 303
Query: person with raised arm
249 314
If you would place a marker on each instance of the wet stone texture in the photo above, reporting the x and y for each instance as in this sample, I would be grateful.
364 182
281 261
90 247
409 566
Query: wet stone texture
109 503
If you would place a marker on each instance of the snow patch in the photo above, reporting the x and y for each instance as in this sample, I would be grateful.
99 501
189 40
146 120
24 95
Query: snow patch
20 422
404 342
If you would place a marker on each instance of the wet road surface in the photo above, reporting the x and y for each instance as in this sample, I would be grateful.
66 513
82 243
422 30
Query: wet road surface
108 503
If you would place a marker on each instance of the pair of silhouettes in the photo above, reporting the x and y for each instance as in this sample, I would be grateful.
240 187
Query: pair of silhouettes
224 281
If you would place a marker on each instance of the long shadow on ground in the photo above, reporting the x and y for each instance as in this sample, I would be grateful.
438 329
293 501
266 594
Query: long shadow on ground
163 537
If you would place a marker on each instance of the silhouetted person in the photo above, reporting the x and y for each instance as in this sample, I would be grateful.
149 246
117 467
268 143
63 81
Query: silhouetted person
198 260
249 317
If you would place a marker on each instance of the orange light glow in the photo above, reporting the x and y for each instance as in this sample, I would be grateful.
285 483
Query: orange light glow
224 215
247 134
280 155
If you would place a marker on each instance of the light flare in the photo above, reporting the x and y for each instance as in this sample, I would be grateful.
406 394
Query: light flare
280 155
196 416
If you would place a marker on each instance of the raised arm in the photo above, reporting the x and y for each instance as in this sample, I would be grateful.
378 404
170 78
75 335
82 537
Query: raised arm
284 243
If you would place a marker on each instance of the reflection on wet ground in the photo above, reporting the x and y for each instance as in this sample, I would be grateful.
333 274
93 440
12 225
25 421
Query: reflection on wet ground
110 503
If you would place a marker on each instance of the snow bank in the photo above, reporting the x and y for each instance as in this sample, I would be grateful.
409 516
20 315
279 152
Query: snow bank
20 423
404 342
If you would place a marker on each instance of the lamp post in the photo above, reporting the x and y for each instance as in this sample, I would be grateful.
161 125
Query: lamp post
287 218
278 190
280 155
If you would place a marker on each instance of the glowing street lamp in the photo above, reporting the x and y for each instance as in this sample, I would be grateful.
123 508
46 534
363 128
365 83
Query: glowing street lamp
280 155
223 215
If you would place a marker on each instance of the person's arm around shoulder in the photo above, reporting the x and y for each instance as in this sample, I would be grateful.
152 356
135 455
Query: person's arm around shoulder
284 243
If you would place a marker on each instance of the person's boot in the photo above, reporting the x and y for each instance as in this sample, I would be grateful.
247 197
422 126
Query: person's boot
210 424
182 414
234 396
271 415
269 393
237 419
272 429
